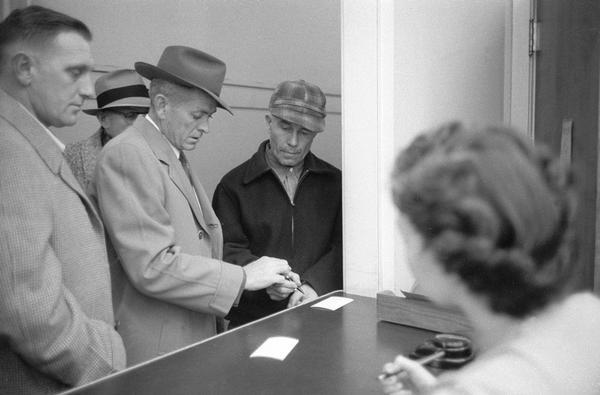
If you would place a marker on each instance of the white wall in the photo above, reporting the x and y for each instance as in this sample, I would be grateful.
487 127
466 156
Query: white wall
448 63
262 42
407 65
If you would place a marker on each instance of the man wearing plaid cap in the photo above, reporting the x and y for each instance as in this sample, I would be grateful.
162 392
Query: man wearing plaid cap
285 202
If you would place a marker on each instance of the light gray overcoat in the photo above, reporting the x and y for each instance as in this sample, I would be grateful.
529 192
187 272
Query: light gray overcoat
169 241
56 317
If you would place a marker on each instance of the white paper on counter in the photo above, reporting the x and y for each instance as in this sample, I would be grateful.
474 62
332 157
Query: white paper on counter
277 347
333 302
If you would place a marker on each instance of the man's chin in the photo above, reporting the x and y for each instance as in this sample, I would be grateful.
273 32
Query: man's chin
61 123
289 162
189 146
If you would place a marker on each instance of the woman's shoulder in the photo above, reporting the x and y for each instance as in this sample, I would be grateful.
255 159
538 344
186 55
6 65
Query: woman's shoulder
580 310
550 353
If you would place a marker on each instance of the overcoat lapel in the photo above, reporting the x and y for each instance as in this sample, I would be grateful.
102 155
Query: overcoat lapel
46 148
210 218
164 153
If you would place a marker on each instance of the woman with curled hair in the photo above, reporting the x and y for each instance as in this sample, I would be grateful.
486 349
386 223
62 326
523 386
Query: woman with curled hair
487 219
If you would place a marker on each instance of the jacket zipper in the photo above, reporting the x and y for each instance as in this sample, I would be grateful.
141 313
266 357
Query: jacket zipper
302 177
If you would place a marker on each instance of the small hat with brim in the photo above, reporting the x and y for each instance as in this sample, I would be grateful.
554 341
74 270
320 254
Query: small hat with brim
188 67
299 102
120 89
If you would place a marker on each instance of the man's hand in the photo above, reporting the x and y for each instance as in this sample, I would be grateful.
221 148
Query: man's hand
282 290
299 297
264 272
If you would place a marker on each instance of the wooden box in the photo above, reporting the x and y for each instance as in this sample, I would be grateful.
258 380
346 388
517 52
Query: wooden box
417 311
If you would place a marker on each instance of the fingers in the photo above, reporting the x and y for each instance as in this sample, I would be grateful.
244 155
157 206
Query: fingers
392 385
280 266
275 295
419 376
264 272
295 299
289 281
281 290
294 277
408 371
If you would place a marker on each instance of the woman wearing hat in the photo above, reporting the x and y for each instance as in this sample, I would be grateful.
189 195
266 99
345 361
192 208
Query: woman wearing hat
120 96
487 220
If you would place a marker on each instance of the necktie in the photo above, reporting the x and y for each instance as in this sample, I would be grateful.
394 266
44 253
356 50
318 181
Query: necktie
186 166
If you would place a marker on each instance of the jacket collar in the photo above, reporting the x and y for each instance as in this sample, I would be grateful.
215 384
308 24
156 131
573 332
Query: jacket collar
258 164
156 140
32 130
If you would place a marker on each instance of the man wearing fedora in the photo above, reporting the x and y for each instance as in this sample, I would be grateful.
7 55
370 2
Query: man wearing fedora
160 219
285 202
120 97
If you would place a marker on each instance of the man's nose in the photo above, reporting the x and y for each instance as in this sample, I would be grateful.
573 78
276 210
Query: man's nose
293 140
87 87
203 126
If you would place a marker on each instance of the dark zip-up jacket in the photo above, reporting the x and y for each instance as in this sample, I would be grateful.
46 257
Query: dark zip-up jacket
258 218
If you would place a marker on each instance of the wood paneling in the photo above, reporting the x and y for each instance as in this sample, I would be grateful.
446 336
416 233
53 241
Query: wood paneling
567 88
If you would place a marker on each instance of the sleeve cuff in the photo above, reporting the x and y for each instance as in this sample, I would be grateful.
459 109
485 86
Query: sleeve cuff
236 302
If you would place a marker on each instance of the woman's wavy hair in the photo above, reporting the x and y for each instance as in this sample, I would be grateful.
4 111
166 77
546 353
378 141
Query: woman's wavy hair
494 209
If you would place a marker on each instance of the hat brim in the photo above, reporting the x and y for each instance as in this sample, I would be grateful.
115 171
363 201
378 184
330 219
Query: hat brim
150 72
307 121
131 107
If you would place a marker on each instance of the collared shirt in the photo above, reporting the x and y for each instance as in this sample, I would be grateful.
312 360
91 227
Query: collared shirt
289 176
175 150
60 144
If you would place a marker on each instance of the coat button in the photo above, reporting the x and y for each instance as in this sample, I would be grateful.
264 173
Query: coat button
200 234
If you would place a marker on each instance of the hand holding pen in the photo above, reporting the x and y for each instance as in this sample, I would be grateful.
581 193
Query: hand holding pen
282 289
405 374
289 278
444 350
421 361
305 294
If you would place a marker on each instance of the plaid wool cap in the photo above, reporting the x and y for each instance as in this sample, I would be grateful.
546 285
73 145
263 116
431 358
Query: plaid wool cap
299 102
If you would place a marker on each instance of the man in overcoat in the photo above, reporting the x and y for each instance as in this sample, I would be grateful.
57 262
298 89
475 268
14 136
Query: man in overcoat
160 219
57 325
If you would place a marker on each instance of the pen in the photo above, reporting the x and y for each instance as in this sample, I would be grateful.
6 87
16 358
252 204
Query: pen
298 288
420 361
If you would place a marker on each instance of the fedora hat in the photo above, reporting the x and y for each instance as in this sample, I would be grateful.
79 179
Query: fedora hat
118 89
188 67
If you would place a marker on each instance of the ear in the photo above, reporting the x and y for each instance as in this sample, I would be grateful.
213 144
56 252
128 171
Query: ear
160 103
268 119
22 67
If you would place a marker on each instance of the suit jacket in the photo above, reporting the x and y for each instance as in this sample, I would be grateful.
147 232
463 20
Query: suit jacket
81 156
56 326
169 242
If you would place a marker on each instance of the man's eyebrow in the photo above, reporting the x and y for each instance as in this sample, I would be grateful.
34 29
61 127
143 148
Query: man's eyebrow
283 121
80 67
